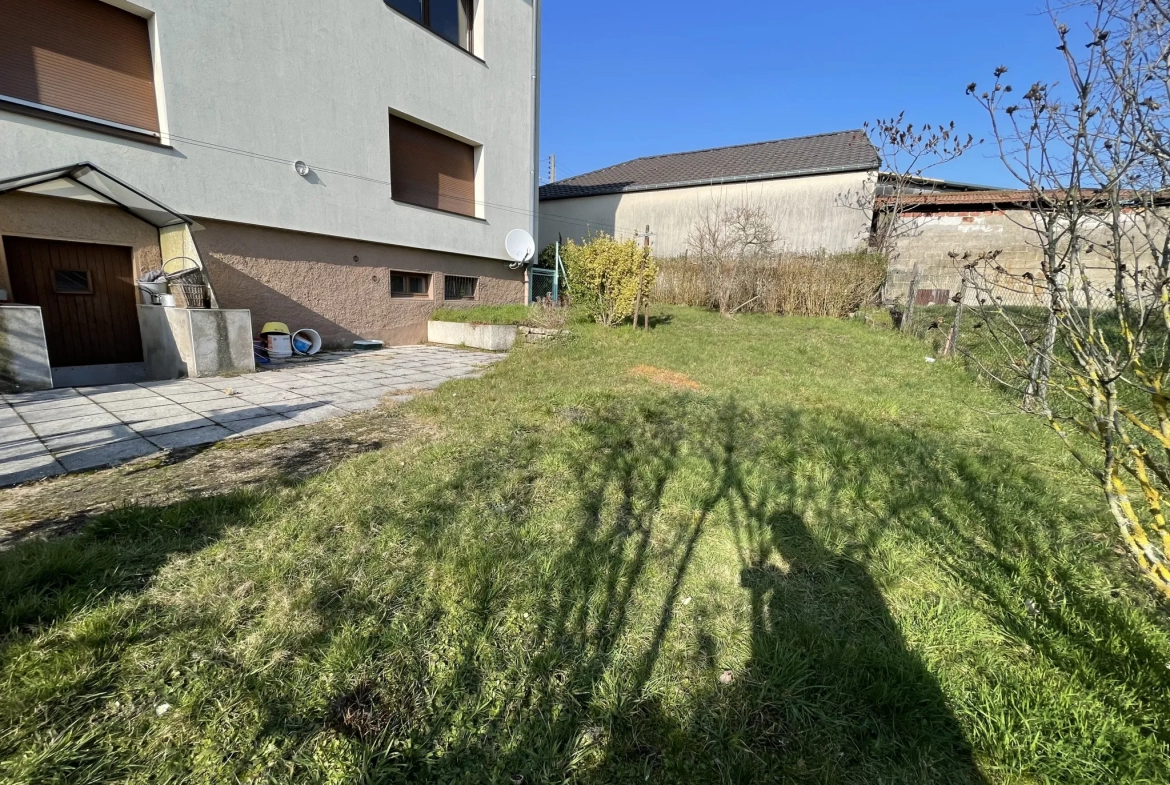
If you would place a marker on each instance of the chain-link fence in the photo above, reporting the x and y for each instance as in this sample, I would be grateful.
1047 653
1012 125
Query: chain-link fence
1002 323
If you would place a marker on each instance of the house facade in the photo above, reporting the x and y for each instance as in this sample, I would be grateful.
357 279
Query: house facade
817 188
344 166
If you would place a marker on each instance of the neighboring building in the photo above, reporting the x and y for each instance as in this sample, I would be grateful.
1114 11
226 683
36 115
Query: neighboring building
416 119
941 232
816 186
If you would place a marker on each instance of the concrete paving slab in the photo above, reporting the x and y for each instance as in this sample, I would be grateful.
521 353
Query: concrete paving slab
42 395
165 425
105 454
234 415
132 393
98 426
152 413
255 425
360 405
86 422
90 437
130 404
206 435
25 470
207 394
16 434
323 412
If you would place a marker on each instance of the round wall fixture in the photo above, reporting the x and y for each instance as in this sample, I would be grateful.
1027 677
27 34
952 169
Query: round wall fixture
302 168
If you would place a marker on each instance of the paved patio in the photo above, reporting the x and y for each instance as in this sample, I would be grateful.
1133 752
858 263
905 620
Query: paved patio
48 433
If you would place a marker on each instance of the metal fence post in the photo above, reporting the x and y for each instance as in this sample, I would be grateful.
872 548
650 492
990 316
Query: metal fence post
556 292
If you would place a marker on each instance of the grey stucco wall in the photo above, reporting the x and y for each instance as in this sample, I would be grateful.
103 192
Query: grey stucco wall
811 213
314 81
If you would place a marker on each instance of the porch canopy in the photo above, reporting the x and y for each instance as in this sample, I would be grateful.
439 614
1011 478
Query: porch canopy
88 183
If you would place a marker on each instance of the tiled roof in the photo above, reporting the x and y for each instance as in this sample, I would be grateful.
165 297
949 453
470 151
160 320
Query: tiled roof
844 151
1003 198
911 200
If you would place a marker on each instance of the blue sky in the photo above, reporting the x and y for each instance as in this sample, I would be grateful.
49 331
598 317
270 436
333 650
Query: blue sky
625 79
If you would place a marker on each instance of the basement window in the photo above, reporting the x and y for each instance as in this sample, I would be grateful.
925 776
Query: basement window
448 19
459 287
415 285
71 282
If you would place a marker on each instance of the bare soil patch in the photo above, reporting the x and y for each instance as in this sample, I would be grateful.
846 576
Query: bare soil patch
662 376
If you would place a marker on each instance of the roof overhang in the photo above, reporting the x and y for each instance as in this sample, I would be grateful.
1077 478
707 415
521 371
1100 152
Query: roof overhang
585 191
88 183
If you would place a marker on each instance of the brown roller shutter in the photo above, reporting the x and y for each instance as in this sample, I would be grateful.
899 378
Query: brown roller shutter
429 169
83 56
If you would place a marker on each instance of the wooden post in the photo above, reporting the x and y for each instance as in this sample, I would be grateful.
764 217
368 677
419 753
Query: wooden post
953 337
908 314
641 272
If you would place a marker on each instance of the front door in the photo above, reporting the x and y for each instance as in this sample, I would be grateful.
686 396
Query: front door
87 298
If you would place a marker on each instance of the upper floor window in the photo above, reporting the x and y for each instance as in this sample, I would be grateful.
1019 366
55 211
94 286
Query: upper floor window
451 19
84 58
430 169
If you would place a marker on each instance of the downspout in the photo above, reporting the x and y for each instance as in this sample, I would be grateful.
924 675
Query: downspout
536 28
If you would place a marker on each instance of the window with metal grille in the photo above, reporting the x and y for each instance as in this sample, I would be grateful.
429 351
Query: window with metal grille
449 19
459 287
430 169
71 282
410 285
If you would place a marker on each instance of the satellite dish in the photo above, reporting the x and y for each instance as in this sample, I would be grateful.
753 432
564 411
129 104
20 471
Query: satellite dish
521 247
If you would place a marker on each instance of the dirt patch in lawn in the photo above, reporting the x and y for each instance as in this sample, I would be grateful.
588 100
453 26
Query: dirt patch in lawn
662 376
62 504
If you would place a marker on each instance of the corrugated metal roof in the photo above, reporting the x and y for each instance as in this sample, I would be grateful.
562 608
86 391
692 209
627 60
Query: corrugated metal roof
843 151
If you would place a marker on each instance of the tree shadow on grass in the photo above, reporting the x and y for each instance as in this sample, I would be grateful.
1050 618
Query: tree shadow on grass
566 633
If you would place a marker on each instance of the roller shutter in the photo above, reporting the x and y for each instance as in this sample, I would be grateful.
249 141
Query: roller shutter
83 56
429 169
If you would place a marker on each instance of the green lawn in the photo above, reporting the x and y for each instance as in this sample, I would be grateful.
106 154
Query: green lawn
487 314
834 562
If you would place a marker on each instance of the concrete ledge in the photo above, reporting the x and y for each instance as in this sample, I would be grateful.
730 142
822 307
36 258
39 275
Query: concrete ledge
492 337
24 354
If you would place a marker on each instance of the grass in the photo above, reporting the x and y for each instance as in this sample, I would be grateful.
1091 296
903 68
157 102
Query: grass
824 564
486 314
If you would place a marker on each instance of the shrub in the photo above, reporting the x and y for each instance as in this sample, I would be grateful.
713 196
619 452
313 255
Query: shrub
817 284
606 275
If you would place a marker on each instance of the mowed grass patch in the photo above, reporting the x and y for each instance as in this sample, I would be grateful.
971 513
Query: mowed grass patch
821 562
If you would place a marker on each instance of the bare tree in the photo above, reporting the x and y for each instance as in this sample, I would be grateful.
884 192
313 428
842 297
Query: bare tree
908 154
1093 156
727 240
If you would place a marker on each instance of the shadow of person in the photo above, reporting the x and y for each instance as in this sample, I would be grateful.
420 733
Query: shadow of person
831 693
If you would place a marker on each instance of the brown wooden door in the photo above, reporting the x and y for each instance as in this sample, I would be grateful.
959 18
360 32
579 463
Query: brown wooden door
87 297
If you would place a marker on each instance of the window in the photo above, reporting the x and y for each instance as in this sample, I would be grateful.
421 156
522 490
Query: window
84 58
459 287
450 19
429 169
410 285
71 282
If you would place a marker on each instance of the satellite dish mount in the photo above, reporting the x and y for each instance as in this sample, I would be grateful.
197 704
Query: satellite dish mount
521 248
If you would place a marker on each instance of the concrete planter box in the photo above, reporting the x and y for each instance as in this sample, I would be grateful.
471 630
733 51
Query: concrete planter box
492 337
181 342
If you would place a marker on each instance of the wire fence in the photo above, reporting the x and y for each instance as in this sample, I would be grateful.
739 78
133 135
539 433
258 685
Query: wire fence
1004 323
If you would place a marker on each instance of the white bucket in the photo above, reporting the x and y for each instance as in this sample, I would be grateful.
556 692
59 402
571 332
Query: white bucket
306 341
279 346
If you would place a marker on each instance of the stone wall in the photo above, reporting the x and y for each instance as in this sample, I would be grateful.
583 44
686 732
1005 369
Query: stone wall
930 238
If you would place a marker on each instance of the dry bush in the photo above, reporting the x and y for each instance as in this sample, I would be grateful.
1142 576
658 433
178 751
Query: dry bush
792 284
